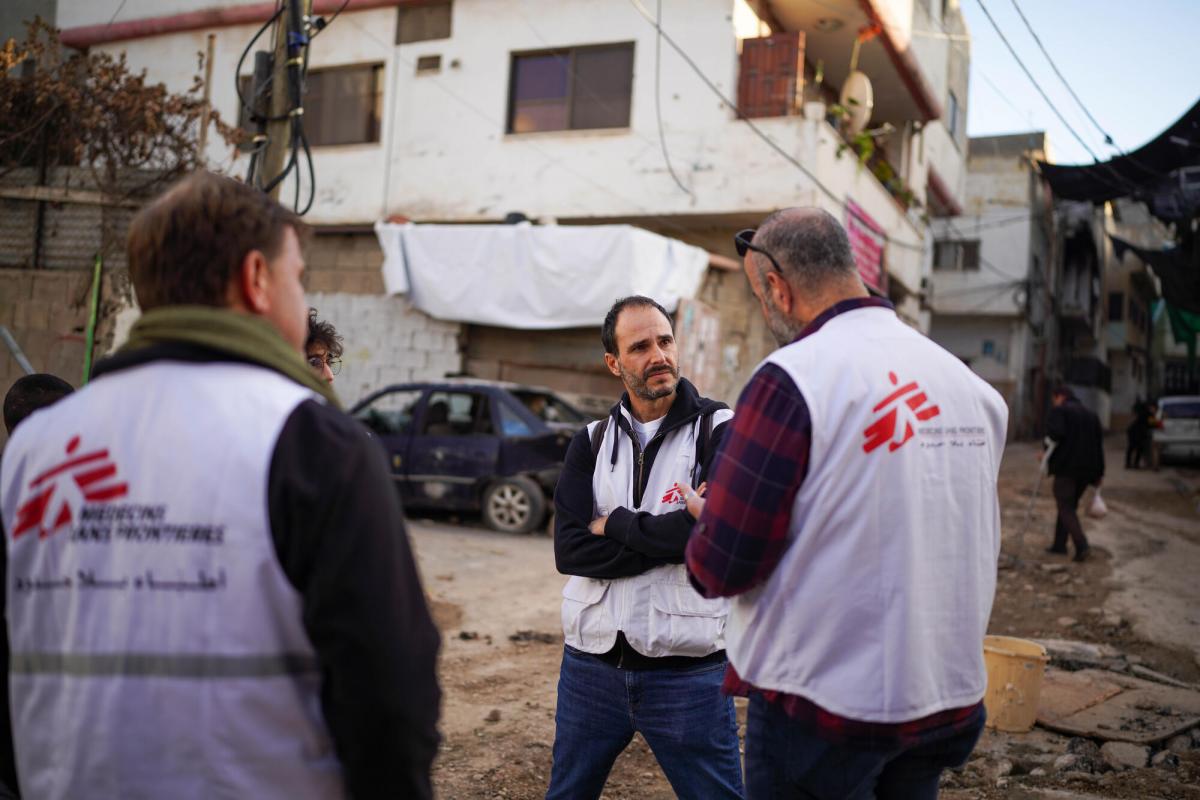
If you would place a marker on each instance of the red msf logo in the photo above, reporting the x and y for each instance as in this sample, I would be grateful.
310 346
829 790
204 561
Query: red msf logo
884 428
93 477
673 495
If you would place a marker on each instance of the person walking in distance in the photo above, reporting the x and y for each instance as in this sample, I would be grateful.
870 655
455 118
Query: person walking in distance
1076 462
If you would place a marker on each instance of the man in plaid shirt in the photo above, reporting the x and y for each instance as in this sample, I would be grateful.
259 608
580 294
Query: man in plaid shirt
863 573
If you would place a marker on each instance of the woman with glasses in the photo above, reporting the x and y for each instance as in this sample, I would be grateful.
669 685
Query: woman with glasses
323 347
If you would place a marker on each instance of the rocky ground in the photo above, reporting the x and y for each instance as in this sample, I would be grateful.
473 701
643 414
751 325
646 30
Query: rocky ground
496 599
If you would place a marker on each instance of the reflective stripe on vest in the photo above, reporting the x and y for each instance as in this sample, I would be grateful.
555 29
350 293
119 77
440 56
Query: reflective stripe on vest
146 599
162 665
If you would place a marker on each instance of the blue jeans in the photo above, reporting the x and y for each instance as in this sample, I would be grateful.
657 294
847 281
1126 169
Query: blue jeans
786 759
688 723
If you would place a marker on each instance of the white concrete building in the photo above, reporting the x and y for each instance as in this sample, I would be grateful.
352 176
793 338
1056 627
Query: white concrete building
467 110
990 266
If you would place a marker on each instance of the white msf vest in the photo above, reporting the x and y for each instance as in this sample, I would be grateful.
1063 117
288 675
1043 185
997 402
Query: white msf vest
659 611
157 646
878 608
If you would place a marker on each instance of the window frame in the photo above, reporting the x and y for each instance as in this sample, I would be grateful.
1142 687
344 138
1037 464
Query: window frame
961 247
481 413
1116 299
569 99
426 7
379 72
415 410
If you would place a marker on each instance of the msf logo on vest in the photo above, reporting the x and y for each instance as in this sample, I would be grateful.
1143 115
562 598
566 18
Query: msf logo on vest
59 491
900 410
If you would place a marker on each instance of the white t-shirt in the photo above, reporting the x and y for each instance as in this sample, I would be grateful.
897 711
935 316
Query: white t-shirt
645 430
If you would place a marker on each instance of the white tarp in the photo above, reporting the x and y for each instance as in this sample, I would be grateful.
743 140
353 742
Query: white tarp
534 277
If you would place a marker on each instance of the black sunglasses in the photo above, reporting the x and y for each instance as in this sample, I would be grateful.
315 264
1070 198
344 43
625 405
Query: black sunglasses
742 241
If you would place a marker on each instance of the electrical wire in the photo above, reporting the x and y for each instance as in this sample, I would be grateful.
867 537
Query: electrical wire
1122 184
997 287
1107 138
662 137
116 13
550 160
1036 85
254 116
329 21
297 139
839 202
983 262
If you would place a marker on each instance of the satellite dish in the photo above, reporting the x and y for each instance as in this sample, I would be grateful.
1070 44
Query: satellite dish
858 98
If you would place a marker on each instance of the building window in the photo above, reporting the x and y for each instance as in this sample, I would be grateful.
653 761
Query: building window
956 256
429 65
578 89
952 115
423 23
1116 306
343 105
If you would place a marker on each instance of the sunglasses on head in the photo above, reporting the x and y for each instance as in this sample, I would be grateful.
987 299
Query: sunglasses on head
742 240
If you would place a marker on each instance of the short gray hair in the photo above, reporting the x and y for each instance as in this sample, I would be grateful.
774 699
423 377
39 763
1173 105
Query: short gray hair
811 247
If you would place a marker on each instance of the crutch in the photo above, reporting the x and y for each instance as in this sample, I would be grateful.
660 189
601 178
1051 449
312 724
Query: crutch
1042 469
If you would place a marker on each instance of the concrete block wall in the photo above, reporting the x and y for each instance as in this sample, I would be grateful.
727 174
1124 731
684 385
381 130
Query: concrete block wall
46 311
386 341
345 263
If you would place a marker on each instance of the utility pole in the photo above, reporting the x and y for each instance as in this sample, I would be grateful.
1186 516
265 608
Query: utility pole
291 37
206 114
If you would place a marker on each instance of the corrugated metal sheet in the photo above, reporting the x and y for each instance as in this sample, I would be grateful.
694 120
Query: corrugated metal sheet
16 233
72 233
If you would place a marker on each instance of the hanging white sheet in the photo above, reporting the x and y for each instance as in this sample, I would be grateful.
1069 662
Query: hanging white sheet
534 277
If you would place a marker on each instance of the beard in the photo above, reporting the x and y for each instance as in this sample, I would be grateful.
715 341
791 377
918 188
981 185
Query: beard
638 384
783 328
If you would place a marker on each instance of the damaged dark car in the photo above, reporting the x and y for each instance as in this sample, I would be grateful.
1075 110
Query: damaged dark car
474 446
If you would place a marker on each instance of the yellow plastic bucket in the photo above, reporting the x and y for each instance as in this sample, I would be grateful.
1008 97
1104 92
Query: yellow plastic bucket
1014 668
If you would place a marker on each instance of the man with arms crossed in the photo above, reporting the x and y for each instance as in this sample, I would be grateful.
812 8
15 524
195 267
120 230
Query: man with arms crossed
644 652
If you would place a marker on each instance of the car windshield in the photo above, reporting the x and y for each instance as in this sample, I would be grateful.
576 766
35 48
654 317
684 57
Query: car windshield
1187 409
547 407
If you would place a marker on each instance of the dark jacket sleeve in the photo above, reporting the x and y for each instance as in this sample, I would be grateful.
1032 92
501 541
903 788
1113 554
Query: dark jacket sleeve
662 536
340 537
1056 424
578 551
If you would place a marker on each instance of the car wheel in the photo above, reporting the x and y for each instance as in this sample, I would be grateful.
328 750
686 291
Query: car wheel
513 505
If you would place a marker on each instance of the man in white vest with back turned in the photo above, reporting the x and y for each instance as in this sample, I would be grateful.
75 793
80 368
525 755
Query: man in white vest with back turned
852 515
209 591
644 651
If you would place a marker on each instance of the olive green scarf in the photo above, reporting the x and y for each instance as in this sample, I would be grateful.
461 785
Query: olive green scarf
242 335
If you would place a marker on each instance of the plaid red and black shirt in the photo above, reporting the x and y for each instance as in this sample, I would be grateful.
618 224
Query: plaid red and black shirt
743 533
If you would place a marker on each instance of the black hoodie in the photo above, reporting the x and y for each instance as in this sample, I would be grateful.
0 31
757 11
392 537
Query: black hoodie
634 541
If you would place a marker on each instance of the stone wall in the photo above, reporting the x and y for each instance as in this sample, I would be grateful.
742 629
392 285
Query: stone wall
386 341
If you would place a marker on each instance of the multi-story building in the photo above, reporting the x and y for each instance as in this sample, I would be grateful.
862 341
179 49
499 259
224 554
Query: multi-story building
993 273
1130 290
576 111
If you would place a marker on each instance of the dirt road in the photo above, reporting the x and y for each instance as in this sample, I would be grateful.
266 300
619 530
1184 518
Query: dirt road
496 599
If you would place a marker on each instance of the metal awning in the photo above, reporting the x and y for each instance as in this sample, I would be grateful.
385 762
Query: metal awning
1137 173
